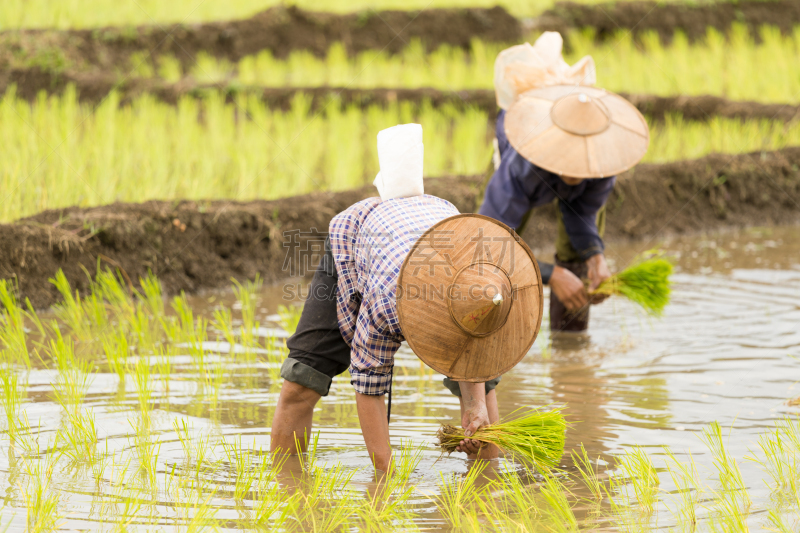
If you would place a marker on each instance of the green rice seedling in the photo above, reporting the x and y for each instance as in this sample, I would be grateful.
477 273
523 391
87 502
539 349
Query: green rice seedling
296 144
241 459
12 327
116 349
290 317
223 322
145 449
458 493
537 436
71 310
79 437
684 476
588 472
144 388
276 353
246 295
642 475
558 510
388 502
41 500
74 374
152 294
779 460
197 450
645 283
17 425
164 367
733 501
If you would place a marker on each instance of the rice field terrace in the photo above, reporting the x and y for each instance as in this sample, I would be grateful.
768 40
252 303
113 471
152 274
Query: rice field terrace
98 13
126 410
159 159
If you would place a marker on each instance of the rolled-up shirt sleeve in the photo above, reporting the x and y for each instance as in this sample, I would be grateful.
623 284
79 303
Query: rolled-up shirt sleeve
580 216
376 340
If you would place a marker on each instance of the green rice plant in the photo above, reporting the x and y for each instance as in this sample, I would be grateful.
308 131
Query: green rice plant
13 393
642 475
144 388
718 65
588 472
276 353
645 282
145 449
74 374
389 501
196 450
537 436
79 437
290 317
152 294
733 500
558 510
70 310
116 349
458 493
241 459
41 500
687 482
247 297
272 153
223 323
12 326
780 461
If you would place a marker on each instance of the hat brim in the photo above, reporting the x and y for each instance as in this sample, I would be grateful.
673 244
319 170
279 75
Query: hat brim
429 271
536 137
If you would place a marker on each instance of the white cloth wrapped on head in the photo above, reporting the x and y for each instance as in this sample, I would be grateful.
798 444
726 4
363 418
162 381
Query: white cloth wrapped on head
524 67
400 154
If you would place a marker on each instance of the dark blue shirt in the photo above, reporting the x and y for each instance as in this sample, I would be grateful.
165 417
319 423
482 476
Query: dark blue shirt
517 186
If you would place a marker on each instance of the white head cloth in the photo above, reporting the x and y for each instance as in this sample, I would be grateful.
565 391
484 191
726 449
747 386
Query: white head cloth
524 67
400 154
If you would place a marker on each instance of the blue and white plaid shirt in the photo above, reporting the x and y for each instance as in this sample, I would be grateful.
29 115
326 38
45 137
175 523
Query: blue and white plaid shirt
370 241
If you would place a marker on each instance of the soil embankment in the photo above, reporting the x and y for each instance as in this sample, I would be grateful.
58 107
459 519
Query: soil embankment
284 29
279 30
93 88
665 19
199 245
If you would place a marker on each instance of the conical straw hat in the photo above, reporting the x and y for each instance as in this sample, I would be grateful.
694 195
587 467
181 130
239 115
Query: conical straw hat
469 297
577 131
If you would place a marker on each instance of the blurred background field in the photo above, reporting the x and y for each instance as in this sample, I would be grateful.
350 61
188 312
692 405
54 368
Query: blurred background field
95 13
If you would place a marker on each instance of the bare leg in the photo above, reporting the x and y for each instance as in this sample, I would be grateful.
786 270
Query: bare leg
293 417
491 451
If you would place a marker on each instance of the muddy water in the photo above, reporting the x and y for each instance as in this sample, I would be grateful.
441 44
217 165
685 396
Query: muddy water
727 349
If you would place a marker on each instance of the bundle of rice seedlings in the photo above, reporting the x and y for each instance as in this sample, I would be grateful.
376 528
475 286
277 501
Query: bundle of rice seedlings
537 436
645 283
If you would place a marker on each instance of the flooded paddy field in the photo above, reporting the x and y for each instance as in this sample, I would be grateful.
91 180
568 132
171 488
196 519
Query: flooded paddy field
140 413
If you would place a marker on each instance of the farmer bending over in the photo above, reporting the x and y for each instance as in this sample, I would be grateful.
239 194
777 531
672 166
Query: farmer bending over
406 266
559 138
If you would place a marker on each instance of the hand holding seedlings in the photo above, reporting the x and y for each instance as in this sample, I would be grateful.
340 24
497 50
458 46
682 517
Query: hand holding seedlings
646 283
597 273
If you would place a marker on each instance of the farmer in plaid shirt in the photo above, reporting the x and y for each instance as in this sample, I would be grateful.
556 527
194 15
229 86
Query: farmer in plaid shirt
350 318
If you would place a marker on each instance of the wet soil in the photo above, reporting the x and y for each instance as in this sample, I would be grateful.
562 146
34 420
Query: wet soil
279 30
202 245
666 18
93 88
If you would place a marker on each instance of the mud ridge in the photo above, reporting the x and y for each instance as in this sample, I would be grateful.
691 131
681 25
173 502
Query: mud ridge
666 18
284 29
202 245
93 88
278 29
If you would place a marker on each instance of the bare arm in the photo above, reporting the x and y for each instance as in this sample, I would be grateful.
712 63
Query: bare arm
474 415
375 428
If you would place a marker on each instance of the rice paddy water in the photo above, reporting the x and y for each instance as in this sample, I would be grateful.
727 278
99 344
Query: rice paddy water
131 412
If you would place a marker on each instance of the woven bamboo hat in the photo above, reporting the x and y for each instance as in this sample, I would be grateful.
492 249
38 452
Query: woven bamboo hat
469 297
577 131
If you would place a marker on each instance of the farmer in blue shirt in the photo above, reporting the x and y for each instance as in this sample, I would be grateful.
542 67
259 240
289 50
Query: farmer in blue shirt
560 139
